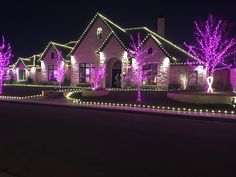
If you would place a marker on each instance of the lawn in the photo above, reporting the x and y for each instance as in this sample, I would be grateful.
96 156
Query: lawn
23 90
152 98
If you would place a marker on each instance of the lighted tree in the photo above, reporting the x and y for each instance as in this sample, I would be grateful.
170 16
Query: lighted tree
139 54
97 76
212 47
5 56
60 71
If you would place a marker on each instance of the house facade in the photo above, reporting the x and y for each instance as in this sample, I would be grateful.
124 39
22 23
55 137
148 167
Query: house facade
105 43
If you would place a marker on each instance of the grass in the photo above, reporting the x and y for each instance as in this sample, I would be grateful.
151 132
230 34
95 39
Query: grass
151 99
23 91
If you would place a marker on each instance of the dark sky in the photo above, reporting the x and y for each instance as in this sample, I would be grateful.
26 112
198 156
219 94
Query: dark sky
30 25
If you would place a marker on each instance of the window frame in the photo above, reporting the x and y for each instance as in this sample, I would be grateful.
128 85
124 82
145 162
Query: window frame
83 69
22 75
99 33
51 69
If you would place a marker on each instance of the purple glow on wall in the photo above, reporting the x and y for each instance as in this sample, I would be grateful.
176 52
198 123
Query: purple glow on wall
5 56
140 55
97 75
60 71
212 46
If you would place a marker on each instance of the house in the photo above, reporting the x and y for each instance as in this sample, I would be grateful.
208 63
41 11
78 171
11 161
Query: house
104 42
25 68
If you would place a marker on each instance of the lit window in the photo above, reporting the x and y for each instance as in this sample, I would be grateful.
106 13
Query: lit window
150 51
22 75
85 72
51 71
99 33
150 74
52 55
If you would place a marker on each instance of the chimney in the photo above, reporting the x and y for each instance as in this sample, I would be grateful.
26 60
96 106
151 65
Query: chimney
161 26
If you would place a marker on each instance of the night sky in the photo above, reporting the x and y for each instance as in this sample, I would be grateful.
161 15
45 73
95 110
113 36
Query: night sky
30 25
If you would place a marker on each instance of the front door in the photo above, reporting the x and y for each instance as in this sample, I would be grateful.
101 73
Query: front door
116 75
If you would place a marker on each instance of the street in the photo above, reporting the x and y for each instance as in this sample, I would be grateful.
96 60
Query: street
45 141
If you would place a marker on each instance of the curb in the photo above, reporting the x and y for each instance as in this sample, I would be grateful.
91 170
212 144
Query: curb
166 113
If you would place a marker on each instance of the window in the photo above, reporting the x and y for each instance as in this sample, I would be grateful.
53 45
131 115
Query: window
52 55
150 51
22 75
51 71
150 74
99 33
85 72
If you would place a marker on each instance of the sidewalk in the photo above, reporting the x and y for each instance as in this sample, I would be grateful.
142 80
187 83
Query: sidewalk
67 103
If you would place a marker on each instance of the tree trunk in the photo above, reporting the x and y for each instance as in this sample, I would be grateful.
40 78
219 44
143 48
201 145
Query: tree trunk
1 83
139 99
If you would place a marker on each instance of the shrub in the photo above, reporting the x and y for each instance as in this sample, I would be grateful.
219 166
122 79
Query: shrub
66 82
49 83
9 81
195 88
149 86
83 85
29 80
174 86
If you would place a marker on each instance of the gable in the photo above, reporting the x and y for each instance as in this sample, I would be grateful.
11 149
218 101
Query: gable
90 35
158 55
88 46
113 49
47 56
20 65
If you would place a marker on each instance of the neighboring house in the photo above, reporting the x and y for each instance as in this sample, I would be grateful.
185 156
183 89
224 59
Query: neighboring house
25 68
40 68
104 42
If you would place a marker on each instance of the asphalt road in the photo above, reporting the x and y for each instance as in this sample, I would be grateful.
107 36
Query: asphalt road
44 141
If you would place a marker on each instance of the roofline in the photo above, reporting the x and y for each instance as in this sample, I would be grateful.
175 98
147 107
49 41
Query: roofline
71 42
17 62
90 24
102 16
53 44
106 41
62 45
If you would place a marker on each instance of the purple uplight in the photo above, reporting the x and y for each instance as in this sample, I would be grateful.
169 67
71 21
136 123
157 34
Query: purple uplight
5 56
212 46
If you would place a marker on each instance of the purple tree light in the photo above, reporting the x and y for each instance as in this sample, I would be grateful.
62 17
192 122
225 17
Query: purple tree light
5 56
96 77
139 54
60 72
212 47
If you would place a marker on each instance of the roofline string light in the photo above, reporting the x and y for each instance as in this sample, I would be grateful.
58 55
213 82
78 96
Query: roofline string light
150 107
